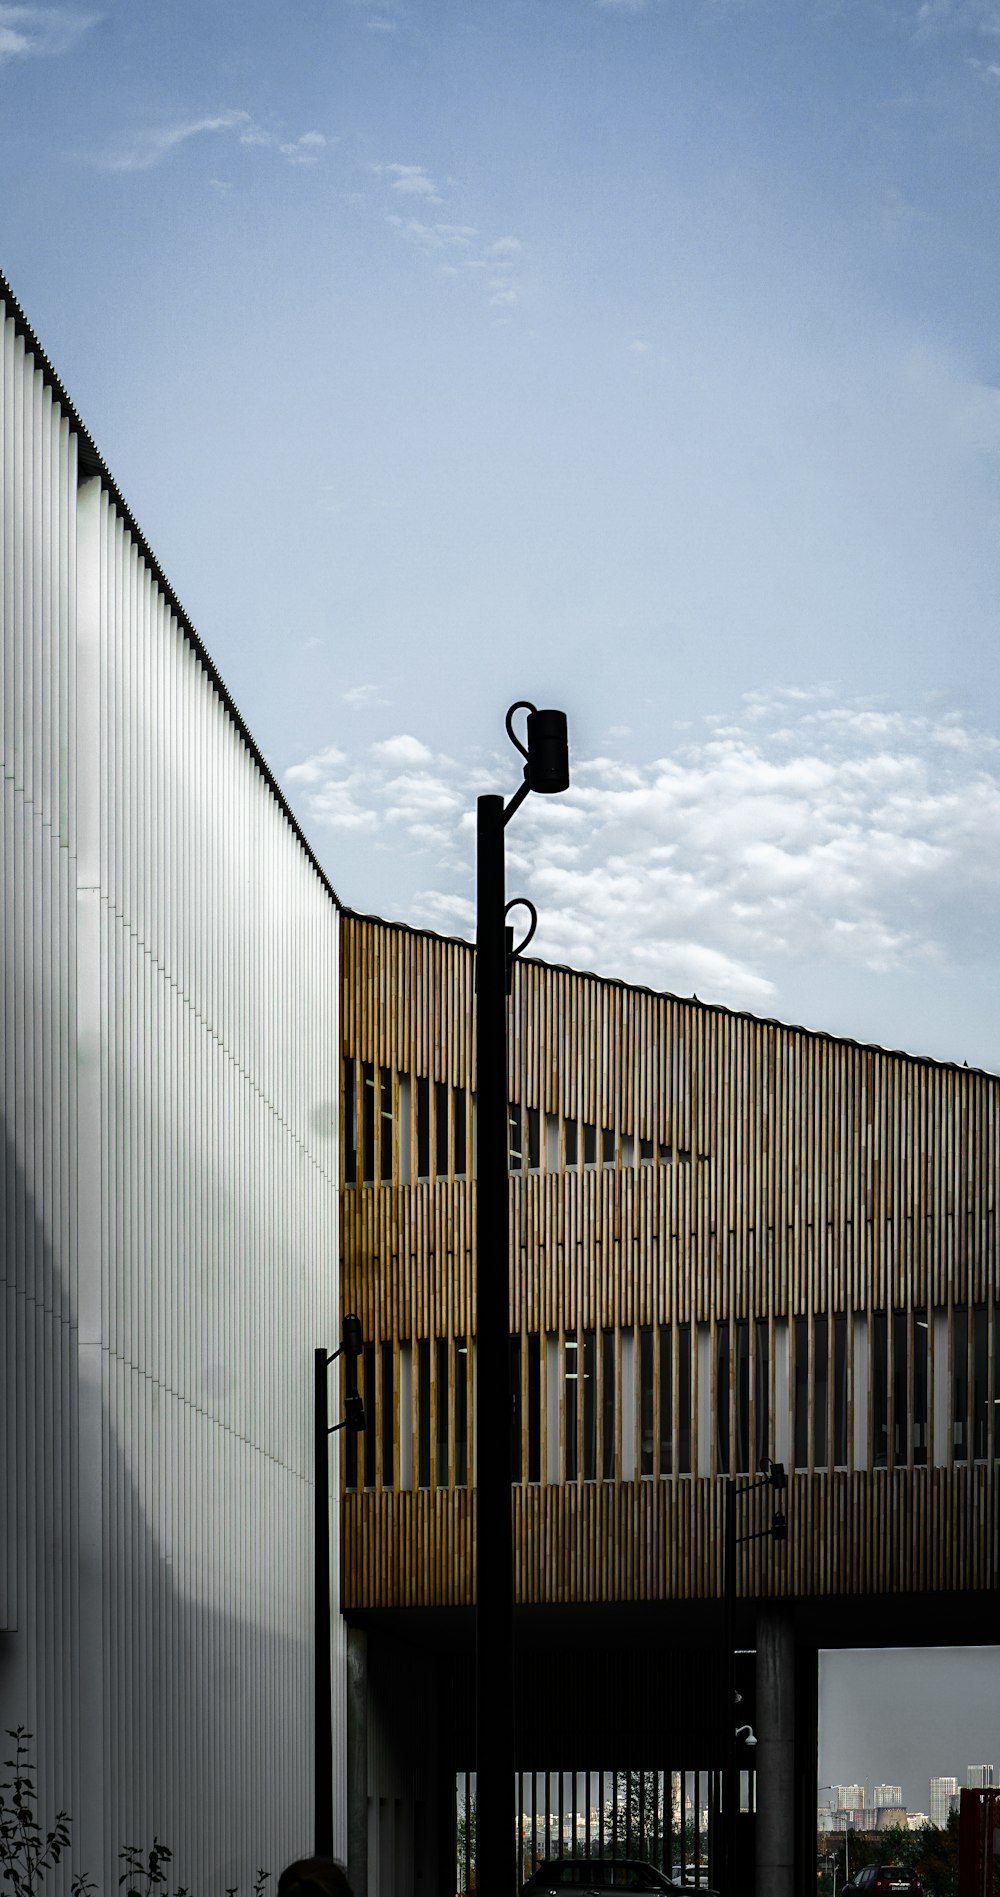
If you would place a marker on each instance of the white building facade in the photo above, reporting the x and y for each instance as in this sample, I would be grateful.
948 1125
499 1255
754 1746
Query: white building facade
941 1793
169 1082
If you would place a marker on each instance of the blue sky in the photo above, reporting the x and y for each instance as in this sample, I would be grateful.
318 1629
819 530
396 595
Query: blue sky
638 358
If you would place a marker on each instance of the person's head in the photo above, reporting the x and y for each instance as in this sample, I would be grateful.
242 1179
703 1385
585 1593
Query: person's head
314 1877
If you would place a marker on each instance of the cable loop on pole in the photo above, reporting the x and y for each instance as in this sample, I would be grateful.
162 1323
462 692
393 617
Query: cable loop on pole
523 704
522 902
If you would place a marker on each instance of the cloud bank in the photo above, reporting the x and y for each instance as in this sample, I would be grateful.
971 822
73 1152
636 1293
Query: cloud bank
802 831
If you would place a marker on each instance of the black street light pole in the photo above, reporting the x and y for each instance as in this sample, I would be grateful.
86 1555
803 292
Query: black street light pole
354 1420
730 1791
547 770
733 1882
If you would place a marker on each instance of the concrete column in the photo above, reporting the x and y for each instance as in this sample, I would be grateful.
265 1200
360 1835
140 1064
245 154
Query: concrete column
357 1760
775 1758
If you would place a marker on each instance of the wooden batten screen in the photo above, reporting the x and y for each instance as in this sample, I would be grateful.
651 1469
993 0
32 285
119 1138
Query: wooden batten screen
750 1238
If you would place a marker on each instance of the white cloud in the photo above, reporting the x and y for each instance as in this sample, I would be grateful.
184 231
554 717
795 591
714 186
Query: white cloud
402 750
367 697
410 180
149 145
800 833
152 144
637 347
432 237
459 249
41 32
305 150
316 769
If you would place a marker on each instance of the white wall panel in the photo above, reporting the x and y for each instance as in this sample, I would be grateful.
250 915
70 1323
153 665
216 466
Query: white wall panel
169 1087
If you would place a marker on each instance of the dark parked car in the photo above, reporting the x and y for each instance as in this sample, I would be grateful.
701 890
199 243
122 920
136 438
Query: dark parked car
597 1875
884 1880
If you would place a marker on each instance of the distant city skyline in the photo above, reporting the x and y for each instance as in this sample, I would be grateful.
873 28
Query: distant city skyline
907 1715
888 1797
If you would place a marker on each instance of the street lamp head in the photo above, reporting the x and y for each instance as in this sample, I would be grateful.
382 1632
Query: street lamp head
548 751
351 1338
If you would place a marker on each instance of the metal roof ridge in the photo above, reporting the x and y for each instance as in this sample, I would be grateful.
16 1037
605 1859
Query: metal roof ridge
92 462
695 1001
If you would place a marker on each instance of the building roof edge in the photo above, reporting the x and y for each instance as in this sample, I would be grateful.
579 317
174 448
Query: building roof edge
92 463
691 1001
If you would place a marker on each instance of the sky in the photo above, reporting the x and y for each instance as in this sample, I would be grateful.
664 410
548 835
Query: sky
944 1719
637 357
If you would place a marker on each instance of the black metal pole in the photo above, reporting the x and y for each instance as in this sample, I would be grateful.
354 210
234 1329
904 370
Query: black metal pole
496 1858
323 1693
730 1782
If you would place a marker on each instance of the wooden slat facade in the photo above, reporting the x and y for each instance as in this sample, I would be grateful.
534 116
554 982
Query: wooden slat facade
769 1239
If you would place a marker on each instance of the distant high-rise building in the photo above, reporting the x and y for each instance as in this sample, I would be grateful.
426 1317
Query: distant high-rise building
887 1795
941 1792
979 1776
846 1797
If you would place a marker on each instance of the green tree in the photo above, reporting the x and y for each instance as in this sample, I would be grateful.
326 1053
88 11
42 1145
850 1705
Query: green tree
933 1851
647 1825
936 1857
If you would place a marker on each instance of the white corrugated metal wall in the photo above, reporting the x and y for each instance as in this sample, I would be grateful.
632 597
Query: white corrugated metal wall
169 1089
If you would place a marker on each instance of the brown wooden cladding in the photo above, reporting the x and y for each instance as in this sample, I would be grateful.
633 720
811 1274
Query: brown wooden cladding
791 1177
875 1532
822 1174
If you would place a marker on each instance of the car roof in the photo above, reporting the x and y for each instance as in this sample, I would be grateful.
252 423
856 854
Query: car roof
550 1866
594 1857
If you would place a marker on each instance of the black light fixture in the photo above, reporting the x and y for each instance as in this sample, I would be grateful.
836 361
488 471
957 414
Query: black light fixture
548 751
354 1414
546 754
351 1339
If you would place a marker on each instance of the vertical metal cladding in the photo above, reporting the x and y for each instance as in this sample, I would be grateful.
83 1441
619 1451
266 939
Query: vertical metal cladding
170 1084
